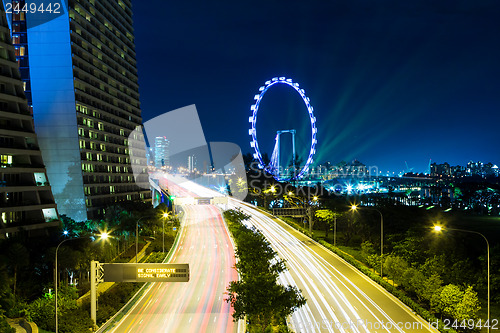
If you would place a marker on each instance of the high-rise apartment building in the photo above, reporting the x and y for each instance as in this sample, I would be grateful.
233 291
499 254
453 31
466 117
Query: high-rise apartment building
161 152
191 165
79 70
26 199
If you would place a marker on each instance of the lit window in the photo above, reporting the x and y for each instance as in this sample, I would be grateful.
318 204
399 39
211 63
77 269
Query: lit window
5 159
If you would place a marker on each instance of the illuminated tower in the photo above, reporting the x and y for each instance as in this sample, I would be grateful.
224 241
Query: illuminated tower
191 163
161 152
26 199
80 72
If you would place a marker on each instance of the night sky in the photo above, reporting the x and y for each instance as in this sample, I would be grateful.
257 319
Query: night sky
390 81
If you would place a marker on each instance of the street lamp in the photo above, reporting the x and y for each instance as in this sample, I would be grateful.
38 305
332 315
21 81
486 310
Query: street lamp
310 213
335 228
271 189
165 215
354 208
438 228
137 237
103 236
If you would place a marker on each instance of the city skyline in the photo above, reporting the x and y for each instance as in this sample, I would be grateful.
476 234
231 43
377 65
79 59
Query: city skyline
391 83
115 220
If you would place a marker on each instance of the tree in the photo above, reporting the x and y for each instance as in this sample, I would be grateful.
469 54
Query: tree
72 319
17 258
395 267
430 287
410 249
469 306
369 253
328 218
447 299
452 302
257 294
435 265
415 282
349 227
263 300
455 303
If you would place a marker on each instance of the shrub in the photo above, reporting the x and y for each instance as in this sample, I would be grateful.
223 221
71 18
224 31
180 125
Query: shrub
5 327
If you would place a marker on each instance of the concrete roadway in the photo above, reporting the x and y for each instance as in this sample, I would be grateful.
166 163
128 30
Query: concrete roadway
339 297
197 305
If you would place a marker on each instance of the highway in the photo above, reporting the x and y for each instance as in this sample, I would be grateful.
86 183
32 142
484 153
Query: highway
339 297
197 305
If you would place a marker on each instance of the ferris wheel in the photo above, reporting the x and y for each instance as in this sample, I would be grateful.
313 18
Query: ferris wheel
273 167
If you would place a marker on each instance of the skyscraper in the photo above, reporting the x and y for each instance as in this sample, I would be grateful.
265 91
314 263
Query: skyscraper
26 199
80 75
161 152
191 165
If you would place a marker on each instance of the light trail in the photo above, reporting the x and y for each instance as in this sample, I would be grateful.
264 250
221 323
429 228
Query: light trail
198 305
339 298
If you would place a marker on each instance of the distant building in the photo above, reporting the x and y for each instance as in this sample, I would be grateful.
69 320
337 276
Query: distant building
26 200
80 76
191 163
458 171
150 156
161 152
352 169
481 169
440 170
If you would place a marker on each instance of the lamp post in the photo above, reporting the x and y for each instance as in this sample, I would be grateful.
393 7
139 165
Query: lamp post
311 215
335 228
438 228
165 215
103 235
271 189
137 237
354 208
